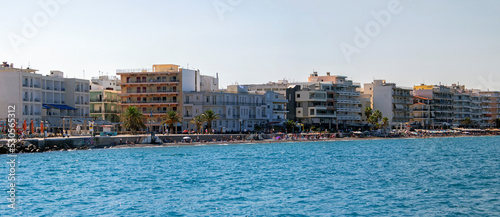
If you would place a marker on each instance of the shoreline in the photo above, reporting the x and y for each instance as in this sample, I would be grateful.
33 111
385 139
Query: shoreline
270 141
290 139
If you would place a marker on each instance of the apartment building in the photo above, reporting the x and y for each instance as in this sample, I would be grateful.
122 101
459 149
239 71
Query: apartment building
345 96
422 111
238 111
105 82
314 104
279 87
21 88
154 91
442 100
276 107
104 98
490 102
467 105
393 101
48 99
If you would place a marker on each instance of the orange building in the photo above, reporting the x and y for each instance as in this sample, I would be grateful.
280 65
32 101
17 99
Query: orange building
154 91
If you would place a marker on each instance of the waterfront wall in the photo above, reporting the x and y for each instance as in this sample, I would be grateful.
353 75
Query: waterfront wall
105 141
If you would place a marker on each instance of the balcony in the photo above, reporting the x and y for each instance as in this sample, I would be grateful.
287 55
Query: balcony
345 93
343 101
107 111
103 100
348 109
226 103
150 102
348 117
142 82
161 92
395 101
142 71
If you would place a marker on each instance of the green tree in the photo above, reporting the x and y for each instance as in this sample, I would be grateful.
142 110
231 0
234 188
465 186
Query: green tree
171 119
198 121
467 122
209 116
377 115
290 126
385 122
368 112
257 128
133 119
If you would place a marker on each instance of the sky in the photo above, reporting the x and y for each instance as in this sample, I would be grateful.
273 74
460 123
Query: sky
405 42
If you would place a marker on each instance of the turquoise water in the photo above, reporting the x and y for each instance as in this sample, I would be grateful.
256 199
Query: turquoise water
423 177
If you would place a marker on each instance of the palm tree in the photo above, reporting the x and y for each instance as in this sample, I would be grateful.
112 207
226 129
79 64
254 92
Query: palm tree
171 119
377 115
385 122
198 121
368 112
290 126
467 122
133 119
209 116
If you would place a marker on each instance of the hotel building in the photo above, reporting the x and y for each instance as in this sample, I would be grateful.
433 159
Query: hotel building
47 98
345 96
490 102
442 100
394 102
104 98
154 91
238 111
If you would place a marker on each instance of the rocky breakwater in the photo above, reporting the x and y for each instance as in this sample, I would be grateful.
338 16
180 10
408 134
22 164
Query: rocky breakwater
32 147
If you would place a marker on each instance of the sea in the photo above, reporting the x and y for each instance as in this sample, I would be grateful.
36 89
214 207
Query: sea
386 177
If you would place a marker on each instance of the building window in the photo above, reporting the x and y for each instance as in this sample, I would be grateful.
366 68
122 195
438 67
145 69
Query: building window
298 95
311 112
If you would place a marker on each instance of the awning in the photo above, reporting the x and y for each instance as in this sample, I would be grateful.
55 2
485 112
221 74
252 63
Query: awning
58 106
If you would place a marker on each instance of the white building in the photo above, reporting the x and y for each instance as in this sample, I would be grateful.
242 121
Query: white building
193 81
43 98
237 111
276 107
394 102
104 82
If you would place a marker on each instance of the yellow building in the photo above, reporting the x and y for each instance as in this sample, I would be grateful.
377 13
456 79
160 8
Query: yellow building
154 91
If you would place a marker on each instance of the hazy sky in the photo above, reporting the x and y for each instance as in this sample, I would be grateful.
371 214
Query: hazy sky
259 41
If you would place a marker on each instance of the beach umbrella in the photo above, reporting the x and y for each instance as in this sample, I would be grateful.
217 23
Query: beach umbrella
32 126
24 126
41 127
